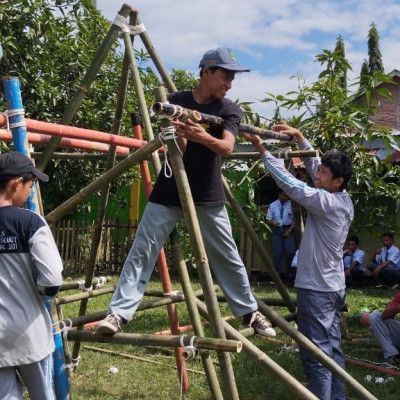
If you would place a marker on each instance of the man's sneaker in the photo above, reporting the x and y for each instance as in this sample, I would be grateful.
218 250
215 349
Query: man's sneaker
110 324
393 287
257 321
379 286
392 362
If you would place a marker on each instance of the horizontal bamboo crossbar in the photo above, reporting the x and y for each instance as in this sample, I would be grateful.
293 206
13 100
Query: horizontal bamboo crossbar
136 339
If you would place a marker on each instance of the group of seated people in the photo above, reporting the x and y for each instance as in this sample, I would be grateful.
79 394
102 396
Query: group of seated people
384 265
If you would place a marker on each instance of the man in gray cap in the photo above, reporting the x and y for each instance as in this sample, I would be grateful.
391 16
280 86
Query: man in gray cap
203 149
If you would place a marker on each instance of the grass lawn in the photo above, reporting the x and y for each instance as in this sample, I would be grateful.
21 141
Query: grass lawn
150 373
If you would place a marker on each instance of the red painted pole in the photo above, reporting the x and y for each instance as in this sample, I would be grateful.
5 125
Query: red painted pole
37 138
163 267
77 133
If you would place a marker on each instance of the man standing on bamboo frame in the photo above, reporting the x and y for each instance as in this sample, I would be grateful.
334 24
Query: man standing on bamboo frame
203 149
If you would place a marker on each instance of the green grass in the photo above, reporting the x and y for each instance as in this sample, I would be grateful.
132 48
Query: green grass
141 379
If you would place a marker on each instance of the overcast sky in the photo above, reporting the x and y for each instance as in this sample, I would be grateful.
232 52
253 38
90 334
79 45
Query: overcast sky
275 39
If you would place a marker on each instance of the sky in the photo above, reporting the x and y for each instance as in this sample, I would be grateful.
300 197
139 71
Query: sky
275 39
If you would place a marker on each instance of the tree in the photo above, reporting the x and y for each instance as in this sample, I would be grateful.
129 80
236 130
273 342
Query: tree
364 73
49 45
340 72
329 119
375 63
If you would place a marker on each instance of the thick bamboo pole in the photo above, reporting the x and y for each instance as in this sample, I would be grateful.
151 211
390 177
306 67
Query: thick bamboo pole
179 112
101 210
278 154
106 178
37 138
89 77
208 364
66 131
137 339
317 353
266 362
144 305
78 284
192 223
190 298
259 247
163 268
84 295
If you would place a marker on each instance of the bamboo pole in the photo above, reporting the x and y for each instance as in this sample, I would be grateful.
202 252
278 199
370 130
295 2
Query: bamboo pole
77 285
139 339
99 182
189 212
87 80
179 112
144 305
278 154
101 210
254 352
84 295
315 351
208 364
163 268
259 247
66 131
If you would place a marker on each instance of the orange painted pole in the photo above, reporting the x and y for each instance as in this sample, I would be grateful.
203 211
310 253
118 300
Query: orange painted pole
67 131
162 265
37 138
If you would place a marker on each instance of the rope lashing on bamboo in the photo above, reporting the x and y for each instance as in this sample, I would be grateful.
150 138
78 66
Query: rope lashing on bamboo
120 21
100 281
173 293
13 113
168 133
65 326
81 286
189 351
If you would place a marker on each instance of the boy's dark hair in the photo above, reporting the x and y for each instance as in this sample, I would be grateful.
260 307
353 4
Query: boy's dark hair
7 178
212 69
354 239
339 164
388 234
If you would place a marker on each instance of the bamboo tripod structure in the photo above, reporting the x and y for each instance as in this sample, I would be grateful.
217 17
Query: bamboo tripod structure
229 390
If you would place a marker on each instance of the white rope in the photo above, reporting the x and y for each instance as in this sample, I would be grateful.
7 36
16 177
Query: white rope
120 21
173 293
168 133
13 113
100 281
81 286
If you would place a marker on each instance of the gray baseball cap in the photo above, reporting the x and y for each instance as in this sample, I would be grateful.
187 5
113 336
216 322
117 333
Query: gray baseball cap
222 57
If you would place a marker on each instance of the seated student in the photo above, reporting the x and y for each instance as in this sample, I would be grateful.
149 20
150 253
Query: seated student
385 263
353 260
387 331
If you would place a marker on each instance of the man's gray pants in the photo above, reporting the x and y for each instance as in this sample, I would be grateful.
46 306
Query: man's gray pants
155 226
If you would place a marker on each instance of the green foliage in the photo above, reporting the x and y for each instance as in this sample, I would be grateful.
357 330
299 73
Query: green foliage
330 119
375 63
49 45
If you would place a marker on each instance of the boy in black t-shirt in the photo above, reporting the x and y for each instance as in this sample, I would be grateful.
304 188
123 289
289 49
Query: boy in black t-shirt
202 151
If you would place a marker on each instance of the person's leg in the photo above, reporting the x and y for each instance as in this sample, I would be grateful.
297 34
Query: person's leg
37 378
316 315
357 275
389 275
10 385
277 249
156 224
289 246
387 333
338 389
224 259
